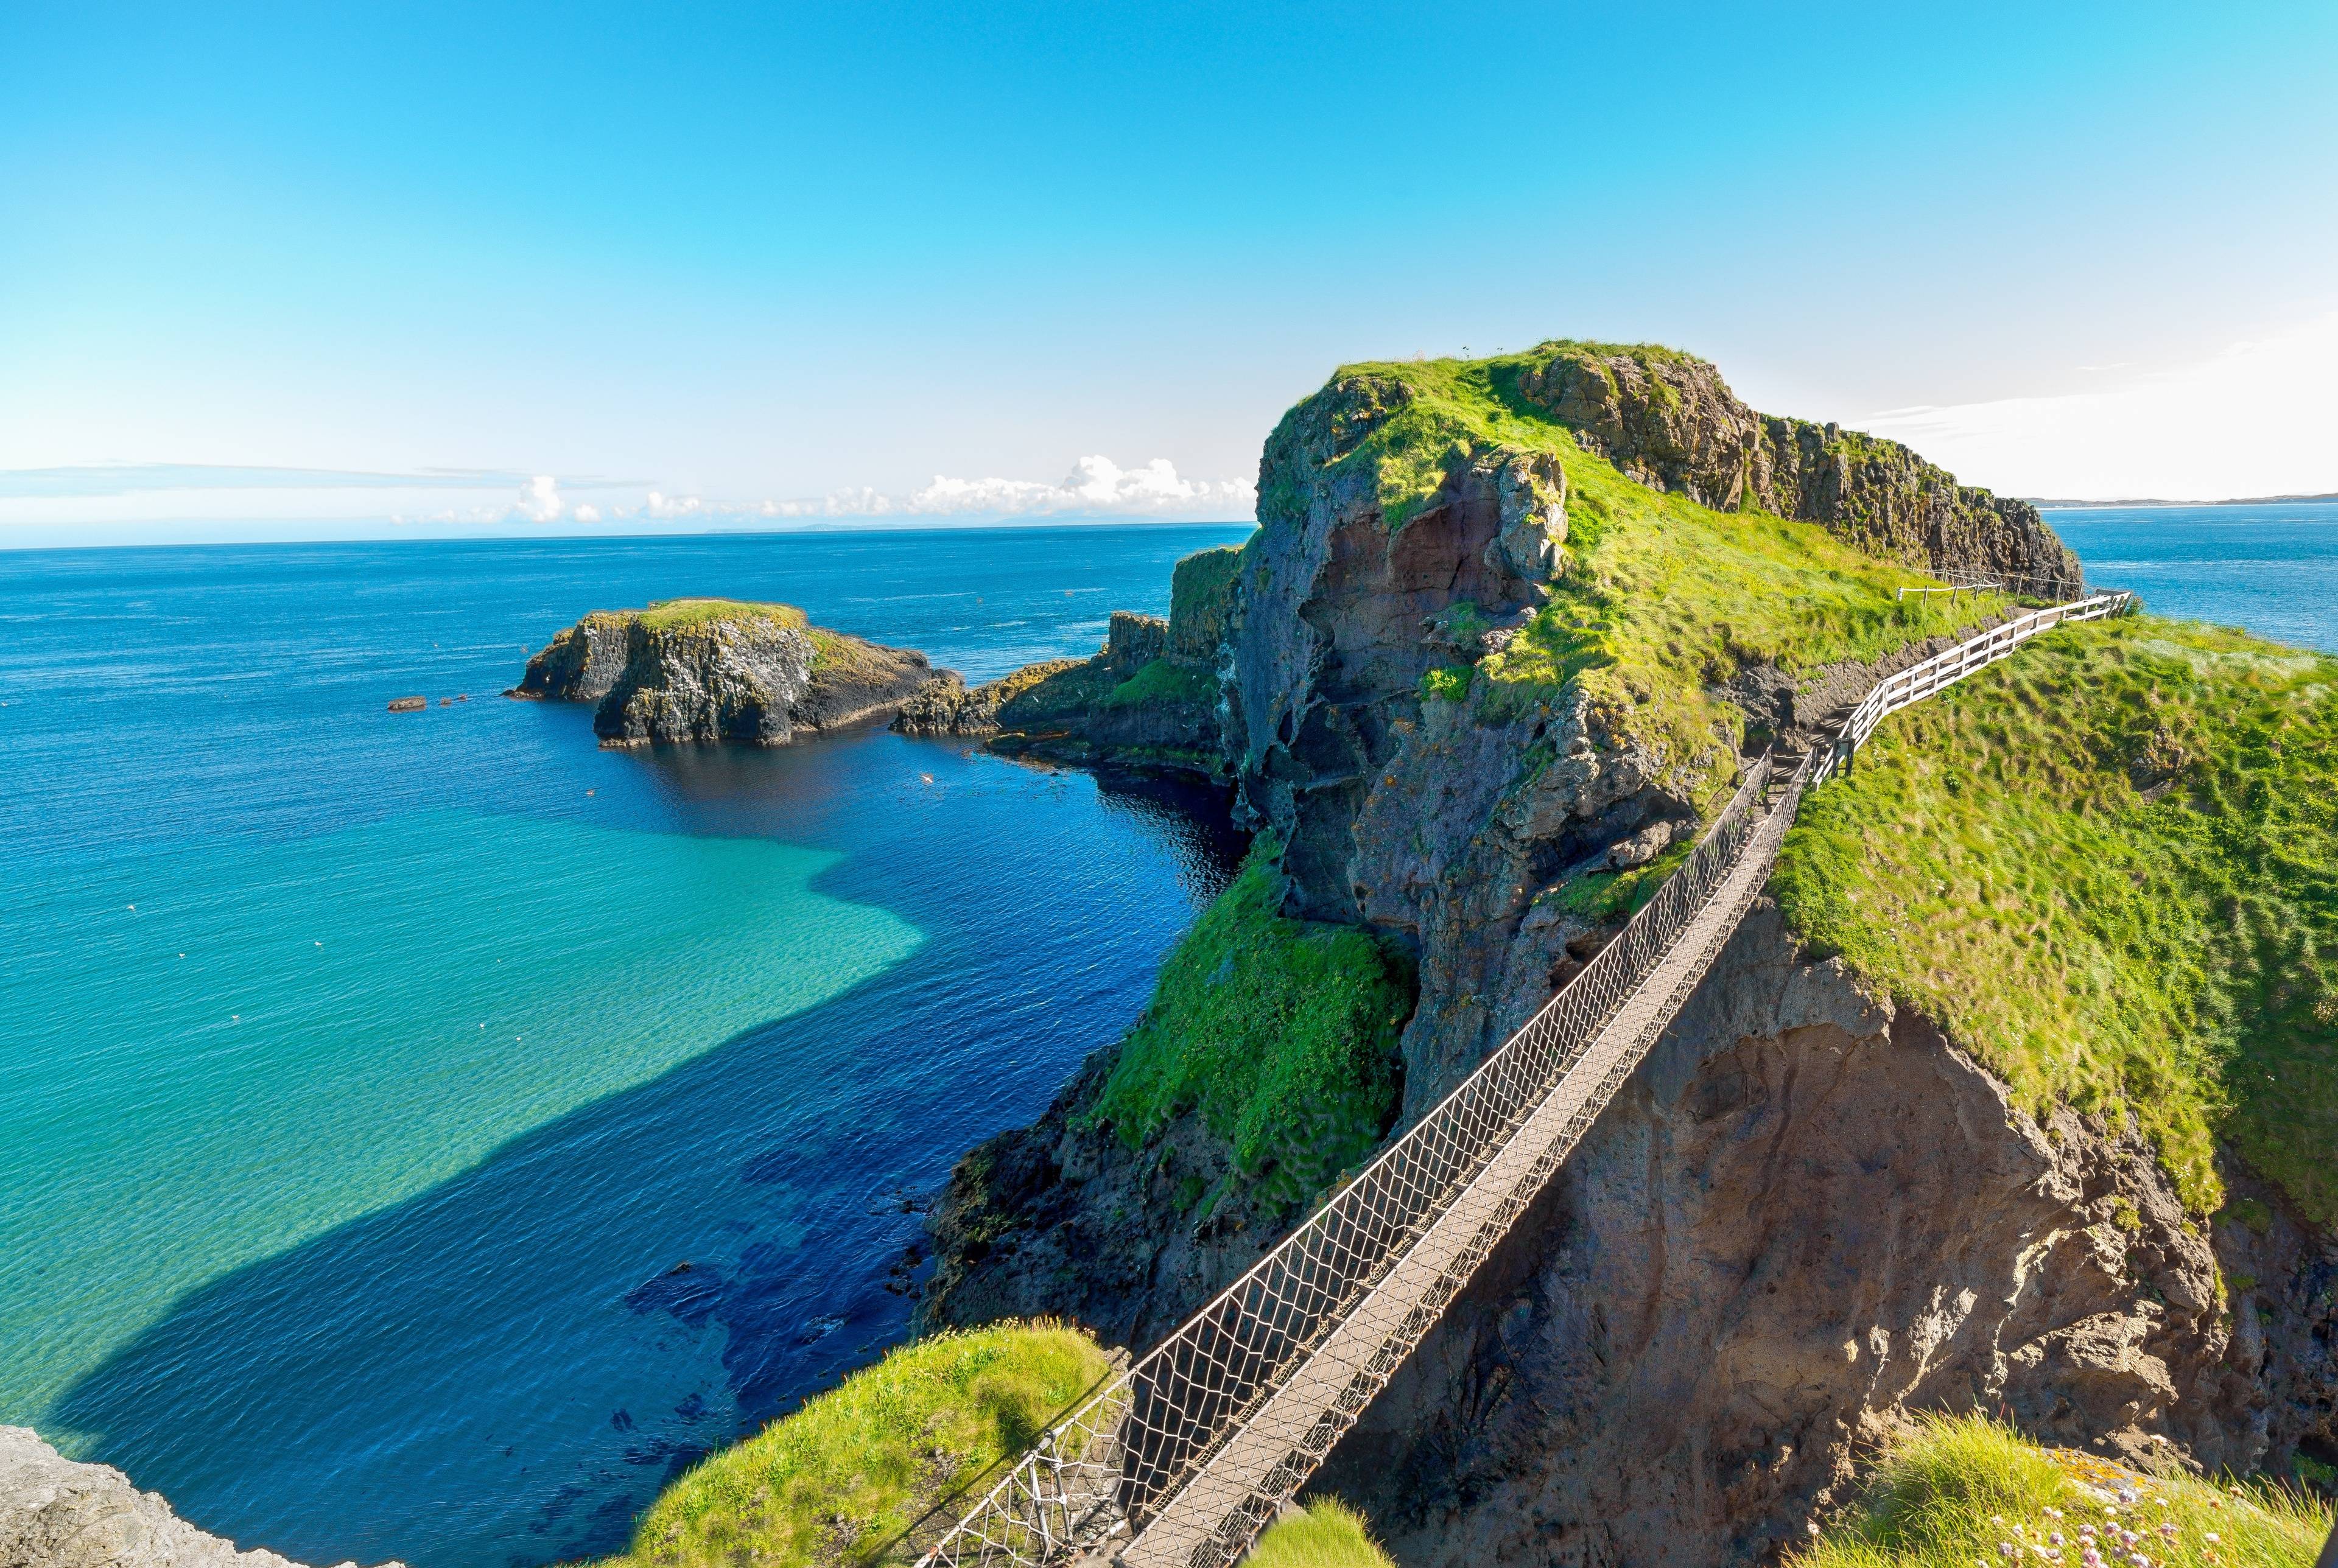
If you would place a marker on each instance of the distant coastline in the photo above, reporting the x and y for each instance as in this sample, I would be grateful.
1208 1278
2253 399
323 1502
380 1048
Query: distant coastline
2042 501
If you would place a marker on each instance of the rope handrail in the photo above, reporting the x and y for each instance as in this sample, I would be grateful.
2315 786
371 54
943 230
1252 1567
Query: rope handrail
1182 1459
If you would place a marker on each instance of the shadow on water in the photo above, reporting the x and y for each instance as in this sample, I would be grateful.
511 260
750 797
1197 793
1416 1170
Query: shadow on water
504 1368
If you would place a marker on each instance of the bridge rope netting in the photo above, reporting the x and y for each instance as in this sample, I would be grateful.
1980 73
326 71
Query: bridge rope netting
1181 1460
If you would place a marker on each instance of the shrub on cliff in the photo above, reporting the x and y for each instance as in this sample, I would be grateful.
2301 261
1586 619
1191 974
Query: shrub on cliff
2109 869
846 1473
1282 1033
1966 1491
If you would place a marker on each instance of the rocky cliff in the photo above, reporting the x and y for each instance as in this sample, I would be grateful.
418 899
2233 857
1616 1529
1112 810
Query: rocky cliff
1668 420
717 669
1497 649
1808 1212
56 1513
1147 699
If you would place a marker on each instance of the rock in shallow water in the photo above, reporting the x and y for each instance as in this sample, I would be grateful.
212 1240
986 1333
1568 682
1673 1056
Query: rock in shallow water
58 1514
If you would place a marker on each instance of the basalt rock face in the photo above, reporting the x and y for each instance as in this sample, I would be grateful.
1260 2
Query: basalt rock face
1671 422
1806 1214
580 664
1429 820
747 674
58 1514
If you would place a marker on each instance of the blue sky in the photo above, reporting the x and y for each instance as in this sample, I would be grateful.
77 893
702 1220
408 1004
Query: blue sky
500 263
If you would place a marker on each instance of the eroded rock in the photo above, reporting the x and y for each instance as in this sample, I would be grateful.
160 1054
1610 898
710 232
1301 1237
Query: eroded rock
58 1514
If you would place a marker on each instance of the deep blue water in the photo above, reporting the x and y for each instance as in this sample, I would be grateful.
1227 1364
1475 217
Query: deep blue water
2271 569
421 1134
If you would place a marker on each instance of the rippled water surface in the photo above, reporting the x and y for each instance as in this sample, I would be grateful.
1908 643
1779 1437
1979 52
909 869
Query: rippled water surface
421 1134
2272 569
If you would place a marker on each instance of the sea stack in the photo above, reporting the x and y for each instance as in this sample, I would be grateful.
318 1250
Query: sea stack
714 671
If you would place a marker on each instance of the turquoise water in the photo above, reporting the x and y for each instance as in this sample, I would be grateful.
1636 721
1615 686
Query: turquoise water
2271 569
422 1134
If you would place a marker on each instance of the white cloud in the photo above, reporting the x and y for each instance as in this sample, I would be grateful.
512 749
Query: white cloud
1092 487
2257 419
669 506
1095 487
539 500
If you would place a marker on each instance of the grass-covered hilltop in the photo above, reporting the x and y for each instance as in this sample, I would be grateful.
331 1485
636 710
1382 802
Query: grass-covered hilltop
1953 1492
706 671
2109 869
2016 1097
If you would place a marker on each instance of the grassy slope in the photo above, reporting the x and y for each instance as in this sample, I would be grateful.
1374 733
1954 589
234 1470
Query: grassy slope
1998 858
1282 1032
1966 1492
1661 597
673 614
840 1477
1330 1534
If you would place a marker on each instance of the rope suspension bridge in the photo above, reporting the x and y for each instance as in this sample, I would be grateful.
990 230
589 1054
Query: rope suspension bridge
1181 1460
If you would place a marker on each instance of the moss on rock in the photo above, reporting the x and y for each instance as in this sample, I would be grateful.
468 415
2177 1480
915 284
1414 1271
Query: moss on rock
1281 1032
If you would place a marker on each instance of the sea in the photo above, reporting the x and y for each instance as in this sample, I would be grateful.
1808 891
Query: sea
2271 568
423 1134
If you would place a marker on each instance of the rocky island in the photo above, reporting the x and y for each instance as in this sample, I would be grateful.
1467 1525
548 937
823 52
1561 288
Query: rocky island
2007 1104
1935 1134
718 670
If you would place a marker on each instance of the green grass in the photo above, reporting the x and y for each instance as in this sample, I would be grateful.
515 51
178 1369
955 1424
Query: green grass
830 650
1966 1491
1607 895
2110 867
1661 597
676 614
1282 1033
1447 682
837 1480
1330 1534
1164 680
